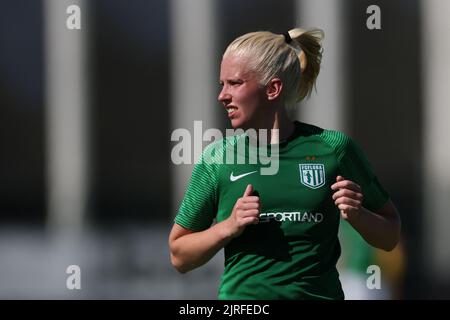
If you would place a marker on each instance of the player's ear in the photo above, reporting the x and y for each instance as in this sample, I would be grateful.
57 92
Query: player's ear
273 88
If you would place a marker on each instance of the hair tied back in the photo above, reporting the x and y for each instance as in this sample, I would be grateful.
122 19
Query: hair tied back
287 37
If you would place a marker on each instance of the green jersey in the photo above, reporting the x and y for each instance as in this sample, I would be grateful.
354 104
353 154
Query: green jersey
292 252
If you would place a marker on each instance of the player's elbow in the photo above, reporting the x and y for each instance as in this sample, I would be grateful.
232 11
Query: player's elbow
392 242
389 246
178 264
396 235
391 234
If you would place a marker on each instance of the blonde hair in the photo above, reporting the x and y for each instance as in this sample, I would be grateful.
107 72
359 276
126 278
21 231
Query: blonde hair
294 58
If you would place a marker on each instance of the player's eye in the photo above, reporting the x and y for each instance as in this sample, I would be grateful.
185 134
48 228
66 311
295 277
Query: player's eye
235 82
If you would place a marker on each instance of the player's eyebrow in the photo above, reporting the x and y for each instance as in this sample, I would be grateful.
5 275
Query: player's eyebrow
237 79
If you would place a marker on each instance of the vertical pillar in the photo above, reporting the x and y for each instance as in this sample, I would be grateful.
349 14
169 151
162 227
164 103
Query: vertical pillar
66 114
436 150
193 76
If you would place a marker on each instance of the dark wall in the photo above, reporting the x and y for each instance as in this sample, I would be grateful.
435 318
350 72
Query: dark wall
385 101
130 110
21 112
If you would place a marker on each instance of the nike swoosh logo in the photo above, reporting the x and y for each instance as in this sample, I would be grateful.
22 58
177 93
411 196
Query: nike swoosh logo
234 178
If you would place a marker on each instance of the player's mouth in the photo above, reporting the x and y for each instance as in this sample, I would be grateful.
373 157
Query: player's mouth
231 111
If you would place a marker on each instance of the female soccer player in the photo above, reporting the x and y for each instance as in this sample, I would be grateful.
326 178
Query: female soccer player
279 231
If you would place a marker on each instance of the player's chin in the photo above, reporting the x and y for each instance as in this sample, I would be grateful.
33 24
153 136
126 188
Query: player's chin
239 123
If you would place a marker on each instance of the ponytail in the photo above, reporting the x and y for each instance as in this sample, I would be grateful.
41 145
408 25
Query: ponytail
309 51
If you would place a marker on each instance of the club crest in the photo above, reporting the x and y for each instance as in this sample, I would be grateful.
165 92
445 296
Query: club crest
312 175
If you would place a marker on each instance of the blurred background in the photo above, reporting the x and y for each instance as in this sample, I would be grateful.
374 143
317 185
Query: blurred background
86 117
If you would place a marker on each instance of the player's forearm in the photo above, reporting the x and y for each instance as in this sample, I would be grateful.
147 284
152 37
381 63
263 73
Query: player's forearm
193 250
382 232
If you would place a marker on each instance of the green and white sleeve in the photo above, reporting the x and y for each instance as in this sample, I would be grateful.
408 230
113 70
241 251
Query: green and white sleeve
355 166
199 206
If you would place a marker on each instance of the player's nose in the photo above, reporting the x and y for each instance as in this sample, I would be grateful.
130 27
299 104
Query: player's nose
224 96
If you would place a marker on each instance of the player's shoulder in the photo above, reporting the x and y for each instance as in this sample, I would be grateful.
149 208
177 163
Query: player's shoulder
333 137
343 144
223 143
216 151
336 139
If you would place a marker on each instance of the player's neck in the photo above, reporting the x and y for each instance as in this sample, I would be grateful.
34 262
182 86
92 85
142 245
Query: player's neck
278 127
284 125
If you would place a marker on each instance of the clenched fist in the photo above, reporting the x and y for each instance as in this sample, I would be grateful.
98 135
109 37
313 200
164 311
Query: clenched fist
348 198
245 211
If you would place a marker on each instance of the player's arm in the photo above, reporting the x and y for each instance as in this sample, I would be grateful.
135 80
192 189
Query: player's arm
190 249
380 229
